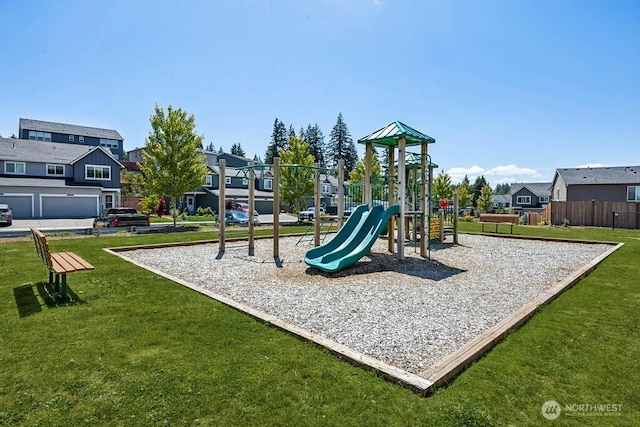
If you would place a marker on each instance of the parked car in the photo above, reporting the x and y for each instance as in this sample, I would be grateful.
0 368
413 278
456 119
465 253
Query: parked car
6 216
121 217
232 205
307 214
238 217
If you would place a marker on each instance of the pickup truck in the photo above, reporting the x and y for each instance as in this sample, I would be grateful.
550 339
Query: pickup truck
307 214
121 217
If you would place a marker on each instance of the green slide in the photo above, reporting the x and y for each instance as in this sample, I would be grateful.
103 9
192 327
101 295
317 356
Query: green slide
353 240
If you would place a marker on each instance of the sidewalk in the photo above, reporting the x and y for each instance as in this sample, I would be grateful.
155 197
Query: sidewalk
21 226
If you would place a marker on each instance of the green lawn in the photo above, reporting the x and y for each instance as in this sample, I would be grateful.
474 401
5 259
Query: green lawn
142 350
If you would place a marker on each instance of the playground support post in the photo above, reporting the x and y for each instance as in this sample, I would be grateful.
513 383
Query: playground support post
367 173
276 208
251 208
316 207
455 217
391 180
424 220
221 206
402 183
340 192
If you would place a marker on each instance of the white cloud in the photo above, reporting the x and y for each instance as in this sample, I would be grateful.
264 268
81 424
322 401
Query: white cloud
496 175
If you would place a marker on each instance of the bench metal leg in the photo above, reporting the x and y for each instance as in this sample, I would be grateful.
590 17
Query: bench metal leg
57 283
63 292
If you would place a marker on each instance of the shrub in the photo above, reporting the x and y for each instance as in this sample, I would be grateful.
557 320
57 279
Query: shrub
467 218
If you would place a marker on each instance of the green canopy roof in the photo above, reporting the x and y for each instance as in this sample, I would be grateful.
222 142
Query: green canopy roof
390 134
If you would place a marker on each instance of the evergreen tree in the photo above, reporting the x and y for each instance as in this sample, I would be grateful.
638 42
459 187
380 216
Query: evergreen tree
237 149
278 141
220 150
257 159
341 146
173 165
210 147
296 184
315 139
292 133
503 188
476 189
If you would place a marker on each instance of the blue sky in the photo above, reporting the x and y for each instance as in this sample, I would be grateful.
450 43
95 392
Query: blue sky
509 89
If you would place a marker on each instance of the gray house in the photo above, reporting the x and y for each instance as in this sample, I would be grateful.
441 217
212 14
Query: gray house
607 184
40 130
500 201
530 196
57 180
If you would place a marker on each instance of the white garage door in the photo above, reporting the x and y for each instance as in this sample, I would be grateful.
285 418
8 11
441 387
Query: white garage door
20 205
64 206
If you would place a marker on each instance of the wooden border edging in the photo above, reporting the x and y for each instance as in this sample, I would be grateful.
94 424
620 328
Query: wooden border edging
407 379
442 371
454 363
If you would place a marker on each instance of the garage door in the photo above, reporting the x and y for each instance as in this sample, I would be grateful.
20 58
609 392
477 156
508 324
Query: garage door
69 207
20 205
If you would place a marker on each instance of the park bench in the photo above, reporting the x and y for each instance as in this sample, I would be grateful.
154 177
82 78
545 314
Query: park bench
499 219
59 263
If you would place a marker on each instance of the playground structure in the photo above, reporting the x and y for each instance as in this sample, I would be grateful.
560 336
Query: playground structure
408 198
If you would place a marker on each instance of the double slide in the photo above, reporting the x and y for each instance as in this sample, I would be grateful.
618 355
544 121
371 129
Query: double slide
353 240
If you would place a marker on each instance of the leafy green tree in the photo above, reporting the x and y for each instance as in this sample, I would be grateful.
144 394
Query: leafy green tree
134 183
296 184
173 163
314 137
341 146
486 198
465 198
237 149
279 141
442 188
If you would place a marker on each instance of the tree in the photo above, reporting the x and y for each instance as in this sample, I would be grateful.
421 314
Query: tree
278 141
296 184
476 188
503 188
257 159
465 198
486 199
314 137
172 163
442 188
210 147
134 183
220 150
341 146
292 133
237 149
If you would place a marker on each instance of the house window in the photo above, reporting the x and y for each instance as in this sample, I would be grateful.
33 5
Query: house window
227 180
55 170
97 172
108 201
245 181
81 139
544 199
39 136
326 189
523 200
268 184
557 194
633 194
208 181
71 138
17 168
108 143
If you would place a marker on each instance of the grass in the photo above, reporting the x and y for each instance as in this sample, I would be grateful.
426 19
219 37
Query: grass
141 350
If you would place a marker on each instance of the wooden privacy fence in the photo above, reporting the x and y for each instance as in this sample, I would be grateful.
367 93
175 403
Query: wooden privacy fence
130 202
594 213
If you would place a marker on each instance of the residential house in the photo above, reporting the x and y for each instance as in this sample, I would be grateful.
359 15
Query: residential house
41 179
500 201
607 184
40 130
530 196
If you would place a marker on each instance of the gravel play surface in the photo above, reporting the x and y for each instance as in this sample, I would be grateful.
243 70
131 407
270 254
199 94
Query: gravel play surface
408 314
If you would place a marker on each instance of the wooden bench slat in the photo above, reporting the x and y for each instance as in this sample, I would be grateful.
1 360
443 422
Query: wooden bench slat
71 261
